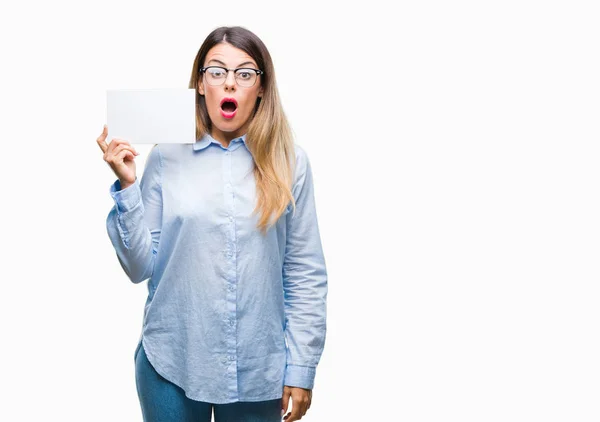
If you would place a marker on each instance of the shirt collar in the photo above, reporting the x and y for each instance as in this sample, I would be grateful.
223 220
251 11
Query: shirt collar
206 140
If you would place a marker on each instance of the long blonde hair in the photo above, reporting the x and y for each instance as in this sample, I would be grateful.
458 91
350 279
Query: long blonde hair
269 138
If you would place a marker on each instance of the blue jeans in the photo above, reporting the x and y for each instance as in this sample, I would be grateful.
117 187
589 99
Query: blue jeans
163 401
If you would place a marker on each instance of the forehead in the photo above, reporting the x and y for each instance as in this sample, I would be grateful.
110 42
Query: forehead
228 54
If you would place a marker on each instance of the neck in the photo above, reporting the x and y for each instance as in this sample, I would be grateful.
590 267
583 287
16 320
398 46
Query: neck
223 140
225 137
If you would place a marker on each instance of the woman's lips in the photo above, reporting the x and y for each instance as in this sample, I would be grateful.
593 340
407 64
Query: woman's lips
228 114
232 106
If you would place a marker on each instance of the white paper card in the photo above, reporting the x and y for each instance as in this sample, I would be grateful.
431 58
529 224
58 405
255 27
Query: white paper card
151 116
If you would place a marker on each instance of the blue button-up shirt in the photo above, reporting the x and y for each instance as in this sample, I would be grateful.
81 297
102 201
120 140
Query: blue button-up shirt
232 314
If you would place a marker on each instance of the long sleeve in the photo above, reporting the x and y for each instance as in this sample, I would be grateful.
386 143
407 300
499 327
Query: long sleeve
134 222
304 282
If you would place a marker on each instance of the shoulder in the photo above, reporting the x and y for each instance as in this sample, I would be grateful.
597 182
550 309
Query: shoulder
168 153
301 154
170 150
302 163
302 171
154 159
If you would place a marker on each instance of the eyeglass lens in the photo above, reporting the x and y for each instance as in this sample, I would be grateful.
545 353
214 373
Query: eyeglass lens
217 76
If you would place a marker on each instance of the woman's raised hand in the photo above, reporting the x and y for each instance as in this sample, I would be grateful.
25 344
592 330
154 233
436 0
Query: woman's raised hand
119 155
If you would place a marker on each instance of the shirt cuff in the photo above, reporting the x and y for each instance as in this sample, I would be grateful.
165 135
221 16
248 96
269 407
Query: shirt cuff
300 376
126 199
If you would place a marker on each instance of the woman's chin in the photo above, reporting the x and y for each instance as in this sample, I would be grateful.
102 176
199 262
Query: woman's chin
228 125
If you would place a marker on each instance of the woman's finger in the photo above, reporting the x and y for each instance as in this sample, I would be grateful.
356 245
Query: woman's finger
116 142
121 156
121 147
294 415
102 139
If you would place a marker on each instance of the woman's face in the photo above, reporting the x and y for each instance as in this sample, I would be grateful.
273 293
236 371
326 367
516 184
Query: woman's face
225 124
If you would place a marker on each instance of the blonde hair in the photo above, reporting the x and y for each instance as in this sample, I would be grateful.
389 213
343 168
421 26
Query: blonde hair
269 138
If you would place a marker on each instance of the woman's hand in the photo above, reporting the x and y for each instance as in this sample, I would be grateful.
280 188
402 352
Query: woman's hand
119 155
301 399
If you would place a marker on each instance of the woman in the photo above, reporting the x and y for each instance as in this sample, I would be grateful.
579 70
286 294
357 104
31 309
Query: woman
226 231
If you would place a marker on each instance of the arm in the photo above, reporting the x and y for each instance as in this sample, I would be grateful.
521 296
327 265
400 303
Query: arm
134 222
304 282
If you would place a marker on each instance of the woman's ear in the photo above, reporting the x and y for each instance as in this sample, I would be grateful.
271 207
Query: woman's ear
200 87
260 91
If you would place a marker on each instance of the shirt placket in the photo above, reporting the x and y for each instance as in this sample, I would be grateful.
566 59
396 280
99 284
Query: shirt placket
230 360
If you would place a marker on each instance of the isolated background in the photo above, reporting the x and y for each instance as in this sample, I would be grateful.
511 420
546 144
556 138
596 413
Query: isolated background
455 155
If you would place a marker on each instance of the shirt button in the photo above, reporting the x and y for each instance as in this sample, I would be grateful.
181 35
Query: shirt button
231 218
231 357
231 322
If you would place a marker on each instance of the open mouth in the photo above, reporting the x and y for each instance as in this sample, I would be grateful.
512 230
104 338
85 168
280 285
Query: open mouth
229 106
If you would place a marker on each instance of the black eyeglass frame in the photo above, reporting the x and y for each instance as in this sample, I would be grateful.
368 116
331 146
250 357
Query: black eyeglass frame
258 72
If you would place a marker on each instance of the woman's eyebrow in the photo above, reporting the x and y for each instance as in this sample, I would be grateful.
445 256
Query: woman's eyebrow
239 65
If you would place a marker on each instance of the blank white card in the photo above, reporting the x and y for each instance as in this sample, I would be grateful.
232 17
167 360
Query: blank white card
151 116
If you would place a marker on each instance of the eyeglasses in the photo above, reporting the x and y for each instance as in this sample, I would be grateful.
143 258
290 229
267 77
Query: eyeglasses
216 75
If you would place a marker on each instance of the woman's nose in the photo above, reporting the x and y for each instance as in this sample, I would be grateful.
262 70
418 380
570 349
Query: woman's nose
230 80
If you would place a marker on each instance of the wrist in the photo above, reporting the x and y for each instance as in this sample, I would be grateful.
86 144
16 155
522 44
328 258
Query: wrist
125 185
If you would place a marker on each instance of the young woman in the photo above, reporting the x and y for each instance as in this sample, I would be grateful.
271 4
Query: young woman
226 231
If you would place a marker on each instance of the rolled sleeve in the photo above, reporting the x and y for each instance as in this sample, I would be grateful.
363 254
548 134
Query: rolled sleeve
126 199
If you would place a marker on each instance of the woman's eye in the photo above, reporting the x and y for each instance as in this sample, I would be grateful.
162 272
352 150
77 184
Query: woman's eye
244 75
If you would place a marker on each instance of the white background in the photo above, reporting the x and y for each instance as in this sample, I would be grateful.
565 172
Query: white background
455 155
